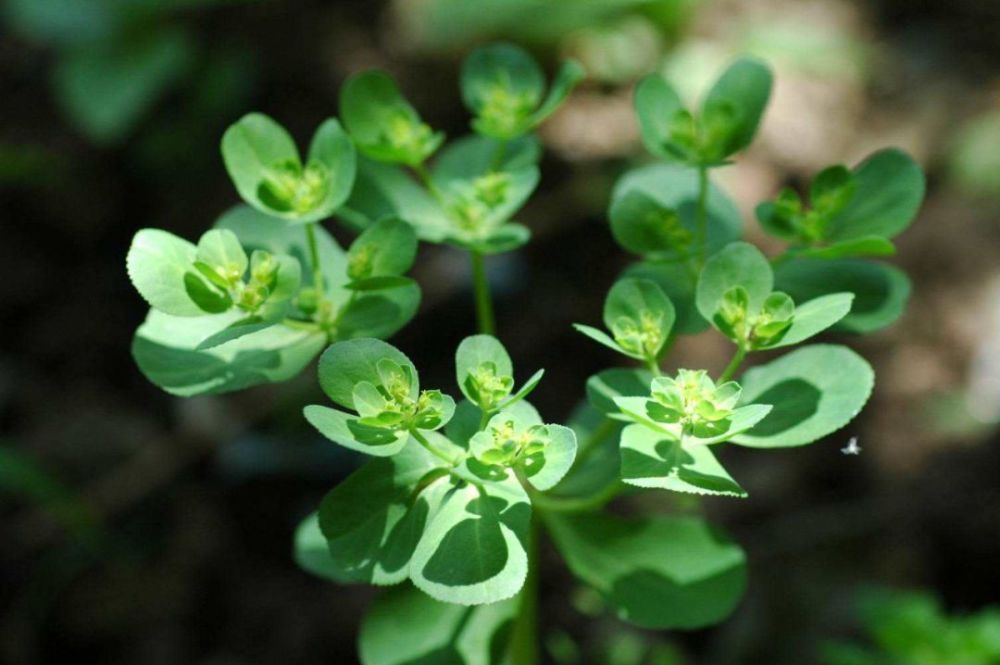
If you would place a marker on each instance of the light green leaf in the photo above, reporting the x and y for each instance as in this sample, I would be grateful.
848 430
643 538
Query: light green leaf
373 520
473 549
656 460
739 264
814 317
164 347
815 391
555 461
220 249
252 144
658 572
528 387
311 552
505 238
383 125
671 187
347 363
405 626
656 104
344 428
502 85
380 283
601 337
888 193
235 330
604 386
475 155
157 263
746 87
880 290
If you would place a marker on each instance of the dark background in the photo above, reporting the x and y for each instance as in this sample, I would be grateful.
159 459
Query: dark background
140 528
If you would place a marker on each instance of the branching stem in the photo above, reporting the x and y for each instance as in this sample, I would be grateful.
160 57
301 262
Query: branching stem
484 301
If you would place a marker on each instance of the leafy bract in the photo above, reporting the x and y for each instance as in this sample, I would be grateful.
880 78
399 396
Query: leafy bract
850 213
740 264
516 438
157 264
312 553
382 124
725 125
473 550
165 349
654 459
658 572
374 519
504 87
880 290
604 386
351 432
654 212
815 391
386 248
269 173
346 364
639 316
679 283
404 626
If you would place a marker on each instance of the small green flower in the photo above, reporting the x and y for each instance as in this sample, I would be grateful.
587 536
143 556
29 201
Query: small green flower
694 401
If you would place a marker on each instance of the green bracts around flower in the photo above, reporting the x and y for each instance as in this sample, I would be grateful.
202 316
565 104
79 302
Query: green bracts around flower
725 125
505 88
640 318
269 173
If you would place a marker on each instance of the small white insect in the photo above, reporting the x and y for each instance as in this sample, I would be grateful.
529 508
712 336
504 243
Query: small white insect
852 447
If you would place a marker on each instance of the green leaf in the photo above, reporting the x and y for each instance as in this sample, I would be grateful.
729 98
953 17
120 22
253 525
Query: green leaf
386 248
657 572
164 347
473 549
656 104
889 191
528 387
383 190
596 467
380 283
880 290
815 391
506 238
656 460
235 330
383 125
658 188
373 520
265 166
640 410
108 86
745 86
813 318
311 552
640 316
404 626
862 246
348 363
604 386
600 337
640 224
345 429
221 249
157 263
569 75
739 264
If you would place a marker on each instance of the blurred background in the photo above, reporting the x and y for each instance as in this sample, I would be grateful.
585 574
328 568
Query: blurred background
140 528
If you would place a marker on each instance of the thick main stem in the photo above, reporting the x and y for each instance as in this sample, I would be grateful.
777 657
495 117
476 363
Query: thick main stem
702 214
484 301
523 649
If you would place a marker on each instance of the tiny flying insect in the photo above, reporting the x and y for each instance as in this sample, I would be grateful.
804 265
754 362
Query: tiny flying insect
852 447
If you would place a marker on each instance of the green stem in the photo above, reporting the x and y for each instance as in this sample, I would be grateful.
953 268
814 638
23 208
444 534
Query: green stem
498 155
428 182
431 448
653 365
578 504
523 648
317 271
702 214
484 302
733 365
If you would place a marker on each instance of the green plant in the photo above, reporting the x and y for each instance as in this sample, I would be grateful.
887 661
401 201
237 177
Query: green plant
910 628
455 496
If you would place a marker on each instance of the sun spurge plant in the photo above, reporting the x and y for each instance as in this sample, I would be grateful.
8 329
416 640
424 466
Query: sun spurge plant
455 495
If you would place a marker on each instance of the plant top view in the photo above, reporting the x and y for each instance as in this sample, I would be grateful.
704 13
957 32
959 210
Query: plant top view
463 485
